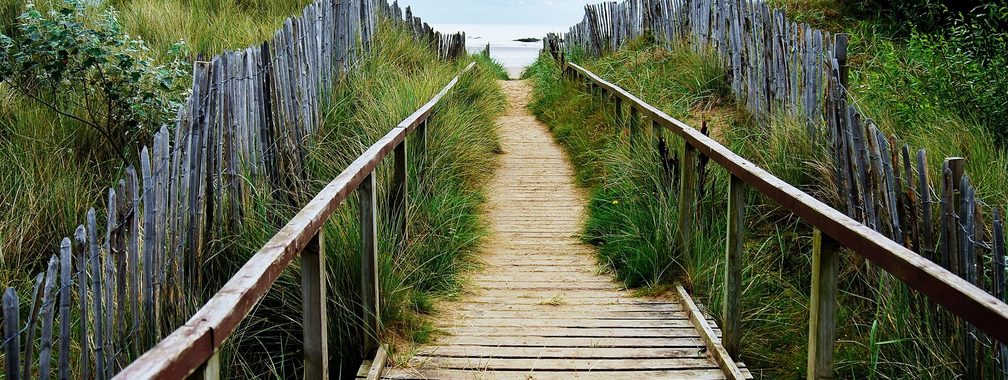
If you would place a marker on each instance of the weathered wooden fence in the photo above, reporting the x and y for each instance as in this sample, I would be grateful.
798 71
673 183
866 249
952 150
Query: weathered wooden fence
779 66
251 116
192 350
959 296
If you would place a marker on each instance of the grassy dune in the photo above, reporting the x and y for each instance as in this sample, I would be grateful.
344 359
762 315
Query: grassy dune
52 170
881 332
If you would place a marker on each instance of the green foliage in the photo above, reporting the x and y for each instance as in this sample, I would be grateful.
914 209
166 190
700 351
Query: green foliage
85 68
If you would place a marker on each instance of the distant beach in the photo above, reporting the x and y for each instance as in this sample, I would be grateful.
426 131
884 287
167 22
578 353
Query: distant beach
514 55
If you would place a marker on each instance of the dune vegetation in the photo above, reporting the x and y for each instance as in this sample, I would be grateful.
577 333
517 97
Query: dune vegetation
53 168
896 78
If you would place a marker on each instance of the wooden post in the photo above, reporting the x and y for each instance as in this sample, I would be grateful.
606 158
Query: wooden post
656 140
619 112
399 202
369 263
733 266
47 311
840 52
313 291
210 370
687 196
634 120
80 246
66 290
11 334
421 147
958 167
96 279
822 308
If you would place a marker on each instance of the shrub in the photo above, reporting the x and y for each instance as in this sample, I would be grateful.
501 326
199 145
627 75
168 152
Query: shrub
85 68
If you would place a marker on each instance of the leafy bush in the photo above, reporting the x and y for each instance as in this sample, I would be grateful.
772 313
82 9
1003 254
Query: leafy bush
951 58
85 68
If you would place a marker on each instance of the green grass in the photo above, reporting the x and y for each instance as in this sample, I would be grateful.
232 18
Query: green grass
495 67
882 330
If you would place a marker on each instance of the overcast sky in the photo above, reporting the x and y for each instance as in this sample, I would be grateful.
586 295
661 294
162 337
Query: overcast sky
534 12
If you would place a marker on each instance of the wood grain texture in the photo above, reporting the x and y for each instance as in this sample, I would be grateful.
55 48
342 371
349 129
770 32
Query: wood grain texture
539 307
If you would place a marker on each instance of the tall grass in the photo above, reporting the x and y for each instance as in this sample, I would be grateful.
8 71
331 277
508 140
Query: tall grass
397 77
50 175
207 26
882 333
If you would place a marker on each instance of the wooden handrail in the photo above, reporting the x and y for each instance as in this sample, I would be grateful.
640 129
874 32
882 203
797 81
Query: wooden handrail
194 345
959 296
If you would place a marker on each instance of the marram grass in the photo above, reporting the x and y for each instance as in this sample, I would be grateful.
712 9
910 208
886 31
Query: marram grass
634 208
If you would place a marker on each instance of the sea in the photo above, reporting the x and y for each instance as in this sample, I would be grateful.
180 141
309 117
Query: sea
515 56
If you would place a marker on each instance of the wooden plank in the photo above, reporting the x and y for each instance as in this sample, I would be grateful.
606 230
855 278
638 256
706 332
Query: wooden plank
574 332
32 326
80 246
596 342
560 301
48 308
209 370
377 367
561 364
709 337
569 315
533 321
314 321
507 352
370 297
927 219
12 334
545 374
957 295
579 294
731 312
96 290
65 292
566 307
691 374
133 256
822 319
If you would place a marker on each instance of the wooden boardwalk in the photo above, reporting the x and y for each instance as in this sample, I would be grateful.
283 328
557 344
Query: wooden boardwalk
540 309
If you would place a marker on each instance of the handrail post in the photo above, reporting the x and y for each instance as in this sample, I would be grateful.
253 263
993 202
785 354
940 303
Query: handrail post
369 263
421 148
687 196
619 112
733 266
656 130
399 202
634 119
822 307
209 370
314 320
